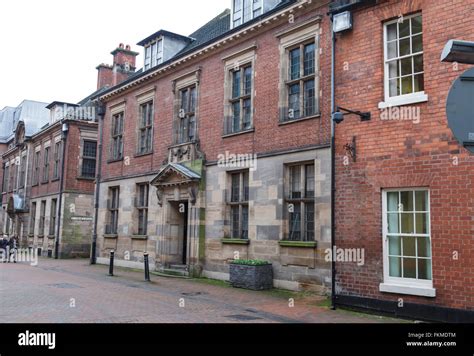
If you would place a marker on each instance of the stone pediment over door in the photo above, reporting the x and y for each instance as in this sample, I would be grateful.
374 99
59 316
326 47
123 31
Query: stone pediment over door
174 175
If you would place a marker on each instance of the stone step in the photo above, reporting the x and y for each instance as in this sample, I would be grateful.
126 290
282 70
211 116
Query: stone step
175 272
179 267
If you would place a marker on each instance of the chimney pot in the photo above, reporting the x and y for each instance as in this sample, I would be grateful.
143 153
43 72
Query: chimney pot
121 45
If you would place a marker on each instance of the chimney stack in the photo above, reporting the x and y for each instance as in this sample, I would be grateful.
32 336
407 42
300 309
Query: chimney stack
124 65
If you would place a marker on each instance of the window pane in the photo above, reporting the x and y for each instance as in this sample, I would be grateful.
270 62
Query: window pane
193 99
309 98
393 71
184 100
421 198
295 223
409 246
407 201
245 222
235 222
409 268
236 116
309 59
421 223
247 103
309 221
424 247
405 47
392 201
407 85
393 223
416 25
90 149
392 32
407 223
394 245
417 44
248 81
235 189
418 64
295 182
294 102
309 181
247 10
392 50
406 65
246 186
295 64
236 83
394 85
424 269
395 266
419 82
404 28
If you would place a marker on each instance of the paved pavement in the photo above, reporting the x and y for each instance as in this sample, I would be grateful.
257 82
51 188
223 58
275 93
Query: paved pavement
75 292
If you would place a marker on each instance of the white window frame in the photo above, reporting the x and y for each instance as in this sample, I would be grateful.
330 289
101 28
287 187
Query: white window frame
153 60
400 285
233 19
404 99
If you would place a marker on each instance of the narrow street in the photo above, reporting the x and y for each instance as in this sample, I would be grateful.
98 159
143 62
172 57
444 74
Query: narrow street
72 291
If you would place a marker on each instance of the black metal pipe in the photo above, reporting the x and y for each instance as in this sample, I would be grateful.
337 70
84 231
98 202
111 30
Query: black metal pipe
98 177
147 267
111 265
61 191
333 169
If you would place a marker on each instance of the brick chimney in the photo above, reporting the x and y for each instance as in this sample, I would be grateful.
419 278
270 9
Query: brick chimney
124 66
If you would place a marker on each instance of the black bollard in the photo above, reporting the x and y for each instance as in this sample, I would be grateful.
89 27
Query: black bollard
147 267
111 267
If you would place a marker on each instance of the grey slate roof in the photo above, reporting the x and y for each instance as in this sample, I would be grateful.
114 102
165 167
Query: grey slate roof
33 113
213 29
6 123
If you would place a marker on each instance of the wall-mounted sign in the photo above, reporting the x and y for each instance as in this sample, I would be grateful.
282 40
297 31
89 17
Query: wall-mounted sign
460 109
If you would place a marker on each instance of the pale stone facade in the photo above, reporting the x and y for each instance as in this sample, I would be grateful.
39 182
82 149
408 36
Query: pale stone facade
192 230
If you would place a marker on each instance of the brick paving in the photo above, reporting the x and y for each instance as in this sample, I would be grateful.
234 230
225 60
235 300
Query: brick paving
74 292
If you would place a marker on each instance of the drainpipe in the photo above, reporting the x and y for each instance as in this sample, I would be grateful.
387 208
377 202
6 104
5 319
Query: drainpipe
65 129
98 177
333 168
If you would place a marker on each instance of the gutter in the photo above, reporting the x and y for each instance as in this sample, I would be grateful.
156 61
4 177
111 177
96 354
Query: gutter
101 114
333 168
61 191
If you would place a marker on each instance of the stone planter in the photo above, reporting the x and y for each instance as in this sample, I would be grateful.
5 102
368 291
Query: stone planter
251 277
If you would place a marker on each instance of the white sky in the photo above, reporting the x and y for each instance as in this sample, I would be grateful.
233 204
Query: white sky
49 49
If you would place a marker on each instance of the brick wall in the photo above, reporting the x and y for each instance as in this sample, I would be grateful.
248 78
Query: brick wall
268 135
392 154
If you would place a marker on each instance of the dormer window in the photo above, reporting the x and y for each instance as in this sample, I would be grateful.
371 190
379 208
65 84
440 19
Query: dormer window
245 10
154 54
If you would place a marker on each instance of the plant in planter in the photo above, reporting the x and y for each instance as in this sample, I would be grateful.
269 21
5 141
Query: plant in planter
251 274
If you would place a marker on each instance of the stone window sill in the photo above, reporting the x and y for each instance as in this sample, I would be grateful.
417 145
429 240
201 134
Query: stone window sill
115 160
139 237
402 100
86 178
299 244
51 237
138 155
235 242
422 291
289 122
233 134
111 236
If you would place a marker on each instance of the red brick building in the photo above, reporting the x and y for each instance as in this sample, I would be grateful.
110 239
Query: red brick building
253 84
405 192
